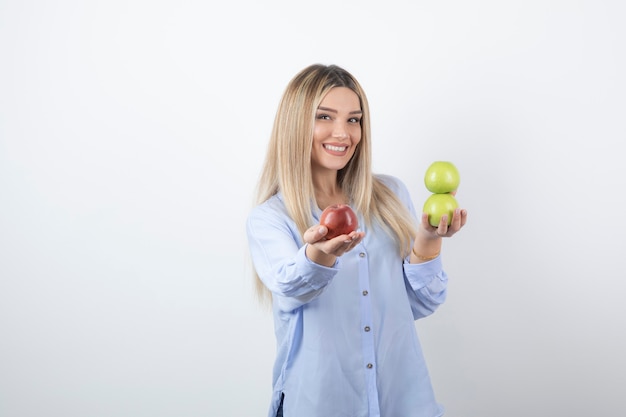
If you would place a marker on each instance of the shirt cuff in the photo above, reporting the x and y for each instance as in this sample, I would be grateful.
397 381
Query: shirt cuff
314 274
422 274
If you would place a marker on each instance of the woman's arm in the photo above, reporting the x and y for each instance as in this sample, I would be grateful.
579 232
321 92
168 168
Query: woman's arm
279 258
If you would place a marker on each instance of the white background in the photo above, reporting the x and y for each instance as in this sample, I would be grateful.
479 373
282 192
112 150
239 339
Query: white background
131 136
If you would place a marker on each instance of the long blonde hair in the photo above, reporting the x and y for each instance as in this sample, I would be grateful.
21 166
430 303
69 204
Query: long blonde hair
287 166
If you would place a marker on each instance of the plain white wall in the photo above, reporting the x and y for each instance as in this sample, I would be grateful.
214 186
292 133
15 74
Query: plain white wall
131 136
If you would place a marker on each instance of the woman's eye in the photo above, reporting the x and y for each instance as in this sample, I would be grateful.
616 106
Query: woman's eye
354 120
323 117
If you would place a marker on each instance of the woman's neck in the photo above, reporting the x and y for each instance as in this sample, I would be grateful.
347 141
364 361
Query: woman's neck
328 192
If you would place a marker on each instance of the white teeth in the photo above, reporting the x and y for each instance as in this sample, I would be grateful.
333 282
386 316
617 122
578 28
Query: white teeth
336 148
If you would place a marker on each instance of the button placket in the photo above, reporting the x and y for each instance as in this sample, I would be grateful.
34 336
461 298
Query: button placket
367 335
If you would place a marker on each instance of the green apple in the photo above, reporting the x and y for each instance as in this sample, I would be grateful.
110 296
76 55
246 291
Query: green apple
439 204
442 177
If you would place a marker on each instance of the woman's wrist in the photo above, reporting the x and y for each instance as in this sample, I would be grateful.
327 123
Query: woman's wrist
425 258
319 257
425 250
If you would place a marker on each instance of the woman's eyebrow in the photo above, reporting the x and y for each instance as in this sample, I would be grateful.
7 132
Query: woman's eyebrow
328 109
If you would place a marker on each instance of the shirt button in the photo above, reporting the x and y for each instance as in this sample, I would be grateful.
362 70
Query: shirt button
365 292
362 254
370 366
367 328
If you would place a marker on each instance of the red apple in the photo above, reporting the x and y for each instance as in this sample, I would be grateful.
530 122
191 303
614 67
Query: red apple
439 204
339 219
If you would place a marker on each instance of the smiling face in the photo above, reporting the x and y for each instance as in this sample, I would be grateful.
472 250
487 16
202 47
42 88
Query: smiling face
337 130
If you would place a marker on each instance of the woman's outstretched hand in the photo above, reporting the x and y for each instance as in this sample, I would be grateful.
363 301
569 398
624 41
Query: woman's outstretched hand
325 251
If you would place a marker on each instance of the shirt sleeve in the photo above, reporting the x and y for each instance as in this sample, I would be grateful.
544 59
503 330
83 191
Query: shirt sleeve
427 285
427 282
279 257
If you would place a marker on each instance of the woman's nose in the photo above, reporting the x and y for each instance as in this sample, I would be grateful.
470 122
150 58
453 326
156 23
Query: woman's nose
340 131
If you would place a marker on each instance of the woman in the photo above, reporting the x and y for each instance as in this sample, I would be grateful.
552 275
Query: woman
344 308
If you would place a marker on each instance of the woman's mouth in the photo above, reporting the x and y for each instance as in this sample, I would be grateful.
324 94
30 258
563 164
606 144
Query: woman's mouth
335 148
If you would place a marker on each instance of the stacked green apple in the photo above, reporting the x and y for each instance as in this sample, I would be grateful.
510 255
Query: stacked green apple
442 179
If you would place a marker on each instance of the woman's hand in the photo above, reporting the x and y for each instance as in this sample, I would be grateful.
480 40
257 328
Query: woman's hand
325 251
427 245
459 218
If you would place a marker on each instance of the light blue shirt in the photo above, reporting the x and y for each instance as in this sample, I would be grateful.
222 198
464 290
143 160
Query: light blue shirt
345 335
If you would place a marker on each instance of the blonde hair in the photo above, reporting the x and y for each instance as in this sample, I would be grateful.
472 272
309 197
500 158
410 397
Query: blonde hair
287 166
